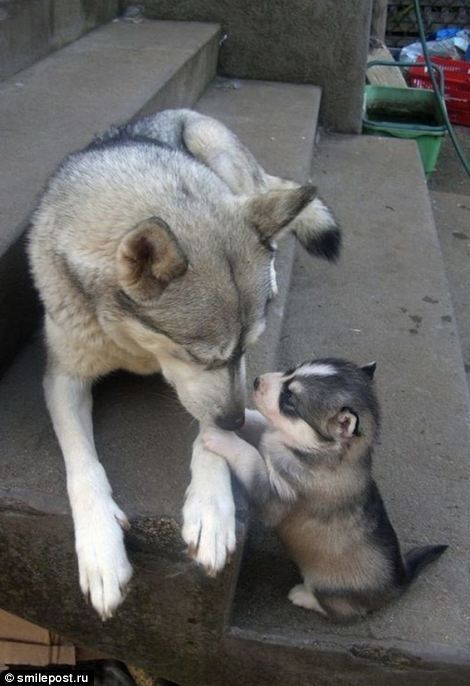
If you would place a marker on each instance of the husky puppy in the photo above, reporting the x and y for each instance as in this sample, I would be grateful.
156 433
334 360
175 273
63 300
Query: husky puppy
152 251
311 476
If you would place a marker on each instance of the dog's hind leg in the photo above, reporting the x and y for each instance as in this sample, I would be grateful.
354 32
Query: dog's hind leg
302 596
209 511
222 151
102 561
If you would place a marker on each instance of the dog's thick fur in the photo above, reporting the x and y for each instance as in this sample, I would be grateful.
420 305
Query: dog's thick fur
312 479
152 250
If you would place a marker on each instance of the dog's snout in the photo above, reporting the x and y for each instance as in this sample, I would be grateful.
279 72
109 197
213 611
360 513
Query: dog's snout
230 422
256 383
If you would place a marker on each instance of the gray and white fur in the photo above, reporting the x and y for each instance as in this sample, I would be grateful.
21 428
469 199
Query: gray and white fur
308 468
152 251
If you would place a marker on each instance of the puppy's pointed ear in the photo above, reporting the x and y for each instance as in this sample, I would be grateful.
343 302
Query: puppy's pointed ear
148 259
271 212
369 369
345 424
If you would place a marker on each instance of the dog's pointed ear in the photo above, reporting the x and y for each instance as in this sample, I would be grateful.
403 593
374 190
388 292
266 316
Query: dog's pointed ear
148 259
369 369
345 424
271 212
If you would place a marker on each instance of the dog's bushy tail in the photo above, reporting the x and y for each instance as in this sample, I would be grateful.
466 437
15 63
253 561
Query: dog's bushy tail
317 230
419 558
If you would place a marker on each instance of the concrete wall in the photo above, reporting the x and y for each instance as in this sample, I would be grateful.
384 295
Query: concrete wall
30 29
306 41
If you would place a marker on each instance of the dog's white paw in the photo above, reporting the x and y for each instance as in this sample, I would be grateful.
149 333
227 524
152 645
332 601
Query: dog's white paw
102 560
302 597
209 529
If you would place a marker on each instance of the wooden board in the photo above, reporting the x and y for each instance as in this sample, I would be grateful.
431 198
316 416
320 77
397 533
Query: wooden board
15 653
24 643
384 76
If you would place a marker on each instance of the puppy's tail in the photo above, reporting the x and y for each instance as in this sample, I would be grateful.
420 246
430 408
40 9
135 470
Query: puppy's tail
317 230
419 558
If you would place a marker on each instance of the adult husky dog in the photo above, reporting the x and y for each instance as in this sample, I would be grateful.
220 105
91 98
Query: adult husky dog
152 251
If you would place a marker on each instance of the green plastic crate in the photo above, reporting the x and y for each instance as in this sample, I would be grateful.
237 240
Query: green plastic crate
405 113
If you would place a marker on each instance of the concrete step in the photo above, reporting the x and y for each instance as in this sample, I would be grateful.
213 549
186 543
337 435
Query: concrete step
174 617
31 30
109 76
387 300
452 216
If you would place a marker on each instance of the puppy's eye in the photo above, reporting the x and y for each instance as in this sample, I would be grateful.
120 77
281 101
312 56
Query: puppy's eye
287 402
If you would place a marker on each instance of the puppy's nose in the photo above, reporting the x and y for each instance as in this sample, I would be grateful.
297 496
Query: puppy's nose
256 383
230 422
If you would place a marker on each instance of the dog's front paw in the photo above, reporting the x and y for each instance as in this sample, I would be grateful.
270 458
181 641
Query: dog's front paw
209 529
102 560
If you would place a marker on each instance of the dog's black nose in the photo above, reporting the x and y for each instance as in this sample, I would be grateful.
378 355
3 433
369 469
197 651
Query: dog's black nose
256 383
230 422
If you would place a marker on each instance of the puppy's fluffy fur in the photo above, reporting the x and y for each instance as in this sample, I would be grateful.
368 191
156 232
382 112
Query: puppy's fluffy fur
312 478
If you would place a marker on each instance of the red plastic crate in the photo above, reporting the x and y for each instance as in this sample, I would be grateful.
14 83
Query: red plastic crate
456 85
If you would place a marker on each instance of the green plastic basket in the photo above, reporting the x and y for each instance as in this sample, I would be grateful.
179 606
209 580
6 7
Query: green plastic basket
405 113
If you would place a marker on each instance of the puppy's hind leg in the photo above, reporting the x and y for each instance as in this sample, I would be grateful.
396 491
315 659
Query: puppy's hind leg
102 561
304 597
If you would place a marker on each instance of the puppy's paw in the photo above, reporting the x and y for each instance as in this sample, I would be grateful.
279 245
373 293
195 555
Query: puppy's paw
301 596
102 560
209 529
218 441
